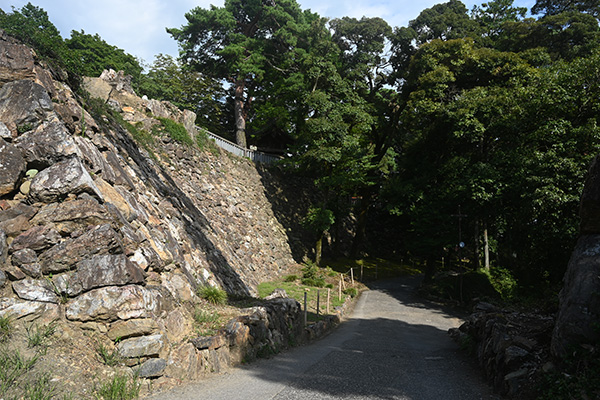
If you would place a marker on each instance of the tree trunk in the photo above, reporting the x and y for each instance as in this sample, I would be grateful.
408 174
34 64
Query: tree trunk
361 227
486 248
240 115
319 249
477 256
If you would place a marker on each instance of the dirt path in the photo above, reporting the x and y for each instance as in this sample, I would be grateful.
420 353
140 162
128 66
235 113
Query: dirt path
394 346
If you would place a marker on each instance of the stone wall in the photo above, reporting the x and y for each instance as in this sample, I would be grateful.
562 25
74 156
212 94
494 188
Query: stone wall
511 347
105 237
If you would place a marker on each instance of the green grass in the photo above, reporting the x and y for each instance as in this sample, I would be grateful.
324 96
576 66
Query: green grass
120 387
373 268
6 328
207 323
176 131
213 295
296 291
37 336
14 369
110 358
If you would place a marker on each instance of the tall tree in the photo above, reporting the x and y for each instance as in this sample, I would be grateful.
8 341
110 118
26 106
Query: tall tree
239 42
168 80
554 7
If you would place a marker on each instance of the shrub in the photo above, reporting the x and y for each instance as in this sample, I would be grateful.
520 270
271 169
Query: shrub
312 276
352 292
213 295
291 278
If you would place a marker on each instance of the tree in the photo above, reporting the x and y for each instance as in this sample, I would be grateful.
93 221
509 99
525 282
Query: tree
319 220
32 26
187 89
494 14
555 7
93 55
239 43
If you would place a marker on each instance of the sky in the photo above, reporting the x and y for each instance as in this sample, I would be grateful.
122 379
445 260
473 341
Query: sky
138 26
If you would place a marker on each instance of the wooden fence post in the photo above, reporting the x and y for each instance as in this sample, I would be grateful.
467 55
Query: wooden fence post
318 301
305 310
352 276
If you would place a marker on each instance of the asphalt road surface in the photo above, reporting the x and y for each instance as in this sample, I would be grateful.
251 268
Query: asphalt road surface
394 346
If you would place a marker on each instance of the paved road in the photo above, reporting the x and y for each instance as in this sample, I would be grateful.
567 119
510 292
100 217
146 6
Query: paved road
394 346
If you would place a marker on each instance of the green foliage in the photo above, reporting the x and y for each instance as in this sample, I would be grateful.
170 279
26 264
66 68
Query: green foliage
169 80
318 219
176 131
577 378
504 282
291 278
212 294
122 386
312 275
93 55
352 292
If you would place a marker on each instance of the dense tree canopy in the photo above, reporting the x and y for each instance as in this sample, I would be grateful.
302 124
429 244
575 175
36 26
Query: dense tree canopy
487 114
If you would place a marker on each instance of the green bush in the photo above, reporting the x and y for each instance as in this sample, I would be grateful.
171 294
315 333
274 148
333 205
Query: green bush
213 295
352 292
176 131
291 278
503 282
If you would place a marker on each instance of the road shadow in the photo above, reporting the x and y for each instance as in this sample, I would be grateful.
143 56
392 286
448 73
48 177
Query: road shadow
381 358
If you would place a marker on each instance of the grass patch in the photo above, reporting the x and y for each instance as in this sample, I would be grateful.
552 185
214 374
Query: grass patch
120 387
207 323
37 336
577 378
110 358
212 294
373 268
296 291
6 328
14 369
175 130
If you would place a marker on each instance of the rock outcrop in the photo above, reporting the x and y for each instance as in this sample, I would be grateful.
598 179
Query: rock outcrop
103 236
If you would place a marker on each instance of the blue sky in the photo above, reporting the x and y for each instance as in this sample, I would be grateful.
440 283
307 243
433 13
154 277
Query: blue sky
138 26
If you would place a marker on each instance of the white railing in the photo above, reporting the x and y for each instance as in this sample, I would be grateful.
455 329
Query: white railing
254 155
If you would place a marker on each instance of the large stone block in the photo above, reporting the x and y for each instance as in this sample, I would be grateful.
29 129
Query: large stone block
48 144
69 216
23 105
67 177
12 167
143 346
100 239
117 302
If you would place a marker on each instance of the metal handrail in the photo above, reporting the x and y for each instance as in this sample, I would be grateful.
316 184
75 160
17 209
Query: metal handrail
254 155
